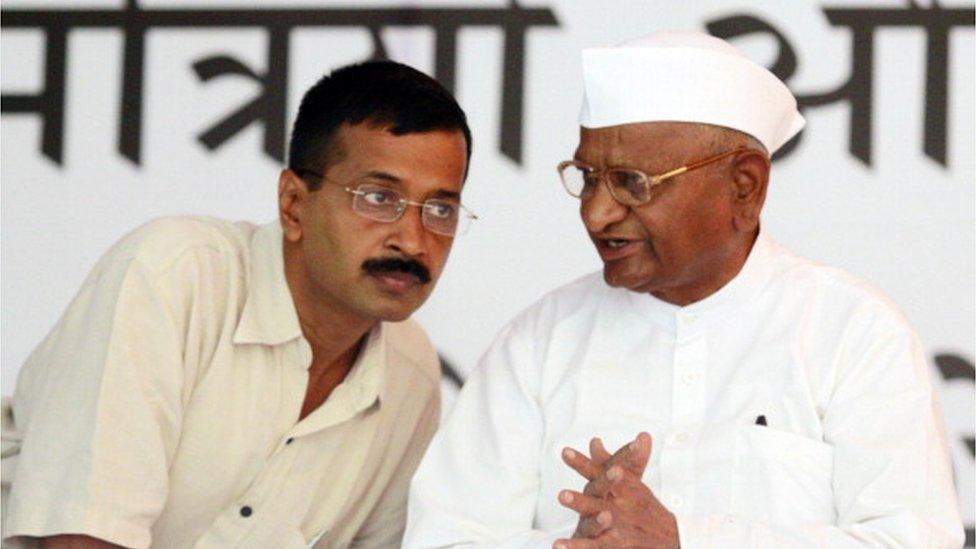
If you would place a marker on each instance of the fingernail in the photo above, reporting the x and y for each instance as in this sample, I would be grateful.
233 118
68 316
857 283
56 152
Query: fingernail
569 453
614 473
566 496
603 518
559 546
633 445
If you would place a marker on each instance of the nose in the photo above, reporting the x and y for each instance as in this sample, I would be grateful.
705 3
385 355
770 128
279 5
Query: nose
601 209
409 235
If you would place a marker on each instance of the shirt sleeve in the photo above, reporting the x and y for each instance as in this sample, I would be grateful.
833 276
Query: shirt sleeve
98 406
892 480
386 522
478 484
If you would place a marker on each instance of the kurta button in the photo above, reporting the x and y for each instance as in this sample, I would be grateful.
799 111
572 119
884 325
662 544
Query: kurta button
246 511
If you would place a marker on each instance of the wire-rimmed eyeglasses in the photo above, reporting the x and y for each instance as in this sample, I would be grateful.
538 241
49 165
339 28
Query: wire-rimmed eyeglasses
628 186
372 201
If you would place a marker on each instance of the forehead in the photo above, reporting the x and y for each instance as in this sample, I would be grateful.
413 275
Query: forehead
436 158
640 144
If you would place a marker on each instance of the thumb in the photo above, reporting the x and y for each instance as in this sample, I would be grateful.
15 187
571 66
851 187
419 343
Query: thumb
641 452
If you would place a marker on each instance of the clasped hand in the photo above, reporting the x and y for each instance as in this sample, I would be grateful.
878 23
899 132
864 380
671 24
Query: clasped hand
616 509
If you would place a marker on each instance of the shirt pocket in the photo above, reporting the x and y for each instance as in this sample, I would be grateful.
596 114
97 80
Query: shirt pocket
782 478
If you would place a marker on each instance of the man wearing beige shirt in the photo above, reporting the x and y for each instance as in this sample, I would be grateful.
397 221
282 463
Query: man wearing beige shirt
221 384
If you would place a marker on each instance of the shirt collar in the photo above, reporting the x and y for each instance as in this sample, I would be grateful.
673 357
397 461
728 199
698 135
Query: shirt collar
269 316
753 276
363 386
366 379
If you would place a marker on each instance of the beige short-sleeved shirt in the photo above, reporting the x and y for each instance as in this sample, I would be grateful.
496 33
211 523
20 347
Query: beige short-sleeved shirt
163 407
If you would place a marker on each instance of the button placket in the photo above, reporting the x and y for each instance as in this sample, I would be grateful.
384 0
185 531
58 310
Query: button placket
688 411
677 501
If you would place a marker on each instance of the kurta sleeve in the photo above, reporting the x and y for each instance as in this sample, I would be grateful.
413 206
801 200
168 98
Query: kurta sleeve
892 479
97 409
478 483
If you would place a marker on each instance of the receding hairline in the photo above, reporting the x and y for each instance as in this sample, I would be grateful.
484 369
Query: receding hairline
335 149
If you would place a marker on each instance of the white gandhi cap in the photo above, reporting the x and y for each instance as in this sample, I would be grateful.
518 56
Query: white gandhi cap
686 77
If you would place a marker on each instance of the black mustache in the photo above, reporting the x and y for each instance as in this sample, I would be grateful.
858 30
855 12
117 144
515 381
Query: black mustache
395 264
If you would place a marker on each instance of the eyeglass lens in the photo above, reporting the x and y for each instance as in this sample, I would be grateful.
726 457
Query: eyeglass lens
626 186
384 204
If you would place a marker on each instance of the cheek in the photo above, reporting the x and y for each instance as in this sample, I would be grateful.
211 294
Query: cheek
675 231
336 248
440 250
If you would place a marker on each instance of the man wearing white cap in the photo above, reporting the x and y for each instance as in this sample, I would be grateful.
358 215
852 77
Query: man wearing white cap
789 403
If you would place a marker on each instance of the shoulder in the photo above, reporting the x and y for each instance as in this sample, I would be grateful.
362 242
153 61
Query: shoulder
578 299
409 346
204 244
837 294
159 243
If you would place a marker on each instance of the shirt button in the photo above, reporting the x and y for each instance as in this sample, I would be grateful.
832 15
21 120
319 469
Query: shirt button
246 511
677 501
681 437
689 378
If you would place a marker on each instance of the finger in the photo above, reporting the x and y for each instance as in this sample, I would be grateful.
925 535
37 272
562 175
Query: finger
576 544
581 464
598 453
641 453
595 526
634 455
627 489
624 457
600 486
583 504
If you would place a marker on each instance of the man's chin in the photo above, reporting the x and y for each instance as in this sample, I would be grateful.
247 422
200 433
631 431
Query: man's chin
615 278
627 281
396 309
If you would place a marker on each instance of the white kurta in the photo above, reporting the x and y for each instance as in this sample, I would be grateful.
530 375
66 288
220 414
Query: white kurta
853 453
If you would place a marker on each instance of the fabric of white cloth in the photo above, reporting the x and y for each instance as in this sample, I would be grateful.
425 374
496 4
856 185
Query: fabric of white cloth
163 407
686 77
852 453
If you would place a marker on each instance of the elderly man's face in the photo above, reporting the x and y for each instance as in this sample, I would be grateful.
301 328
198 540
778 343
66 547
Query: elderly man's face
685 243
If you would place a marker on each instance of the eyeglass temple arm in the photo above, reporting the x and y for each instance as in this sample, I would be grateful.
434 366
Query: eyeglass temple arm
696 165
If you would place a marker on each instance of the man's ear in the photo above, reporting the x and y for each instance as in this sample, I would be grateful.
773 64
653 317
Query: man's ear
750 177
292 200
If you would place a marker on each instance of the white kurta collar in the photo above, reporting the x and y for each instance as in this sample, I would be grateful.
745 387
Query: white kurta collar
744 286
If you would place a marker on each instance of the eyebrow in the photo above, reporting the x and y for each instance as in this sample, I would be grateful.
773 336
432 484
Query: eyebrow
383 176
398 182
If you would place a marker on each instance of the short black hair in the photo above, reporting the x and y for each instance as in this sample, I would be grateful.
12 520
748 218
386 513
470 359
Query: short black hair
385 94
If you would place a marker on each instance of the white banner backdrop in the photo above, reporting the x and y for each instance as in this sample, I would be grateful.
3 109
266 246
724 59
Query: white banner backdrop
115 113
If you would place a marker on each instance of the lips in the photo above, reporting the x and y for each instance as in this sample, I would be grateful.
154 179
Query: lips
396 275
616 248
396 282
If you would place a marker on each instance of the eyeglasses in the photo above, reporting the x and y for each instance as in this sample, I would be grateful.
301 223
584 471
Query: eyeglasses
379 203
628 186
